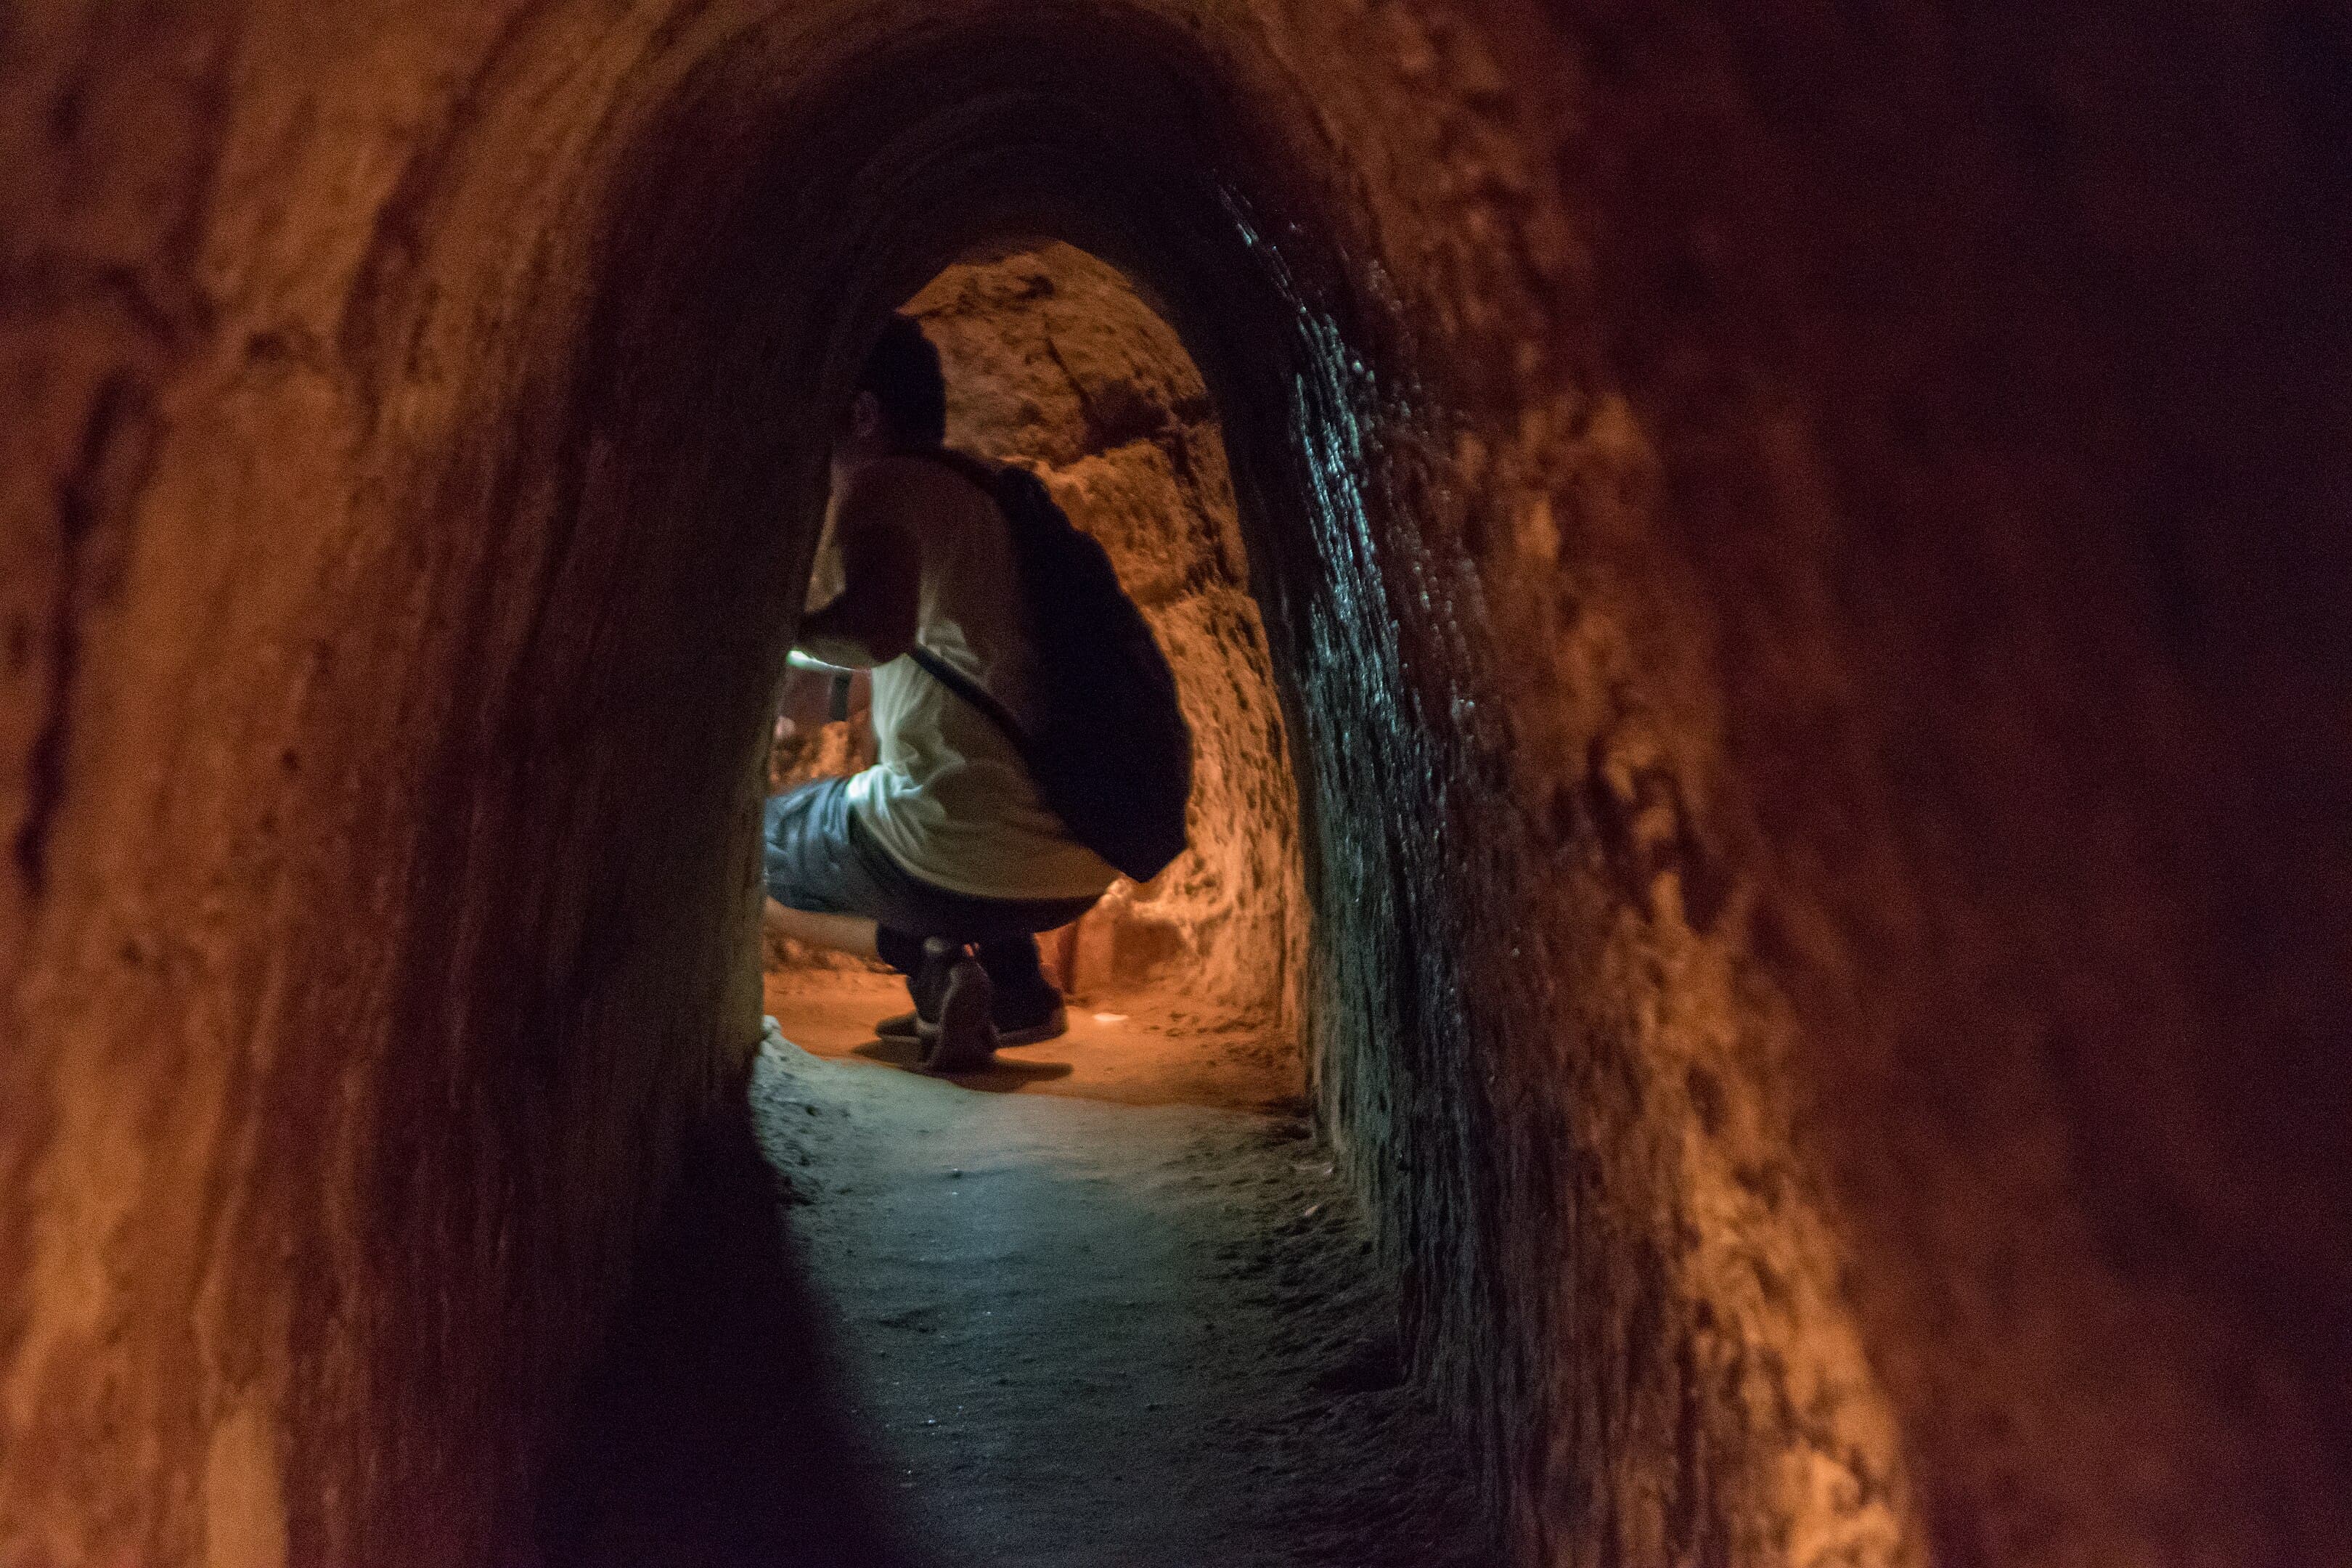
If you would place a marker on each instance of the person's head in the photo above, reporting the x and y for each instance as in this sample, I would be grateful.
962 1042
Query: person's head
900 400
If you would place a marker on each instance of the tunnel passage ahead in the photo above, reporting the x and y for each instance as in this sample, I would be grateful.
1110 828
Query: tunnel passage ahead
1053 360
1802 553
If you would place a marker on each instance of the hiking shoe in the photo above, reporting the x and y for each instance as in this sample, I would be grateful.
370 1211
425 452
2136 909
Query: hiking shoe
963 1037
1017 1023
929 984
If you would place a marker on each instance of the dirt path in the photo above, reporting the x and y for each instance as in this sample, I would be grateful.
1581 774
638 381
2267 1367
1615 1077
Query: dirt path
1059 1330
1141 1048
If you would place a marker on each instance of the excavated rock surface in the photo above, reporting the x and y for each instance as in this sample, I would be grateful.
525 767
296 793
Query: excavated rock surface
1803 552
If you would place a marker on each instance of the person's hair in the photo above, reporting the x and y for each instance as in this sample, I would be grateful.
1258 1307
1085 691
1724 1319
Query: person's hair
904 375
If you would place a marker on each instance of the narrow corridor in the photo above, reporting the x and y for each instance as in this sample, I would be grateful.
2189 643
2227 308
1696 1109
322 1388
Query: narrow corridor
1761 592
1063 1330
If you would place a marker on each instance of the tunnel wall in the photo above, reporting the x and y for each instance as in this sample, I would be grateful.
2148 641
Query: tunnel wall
357 1002
1804 552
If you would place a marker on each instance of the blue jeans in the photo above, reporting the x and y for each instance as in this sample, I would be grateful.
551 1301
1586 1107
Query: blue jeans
820 861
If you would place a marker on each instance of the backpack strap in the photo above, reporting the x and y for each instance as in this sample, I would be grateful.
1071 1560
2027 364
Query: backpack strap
977 471
971 691
985 476
1018 494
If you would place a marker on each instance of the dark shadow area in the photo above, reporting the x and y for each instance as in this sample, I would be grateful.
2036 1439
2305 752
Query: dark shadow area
713 1431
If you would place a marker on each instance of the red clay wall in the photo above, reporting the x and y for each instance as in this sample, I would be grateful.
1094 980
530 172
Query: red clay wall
1803 554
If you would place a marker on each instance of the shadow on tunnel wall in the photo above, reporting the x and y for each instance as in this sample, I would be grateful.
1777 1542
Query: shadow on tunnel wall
714 1431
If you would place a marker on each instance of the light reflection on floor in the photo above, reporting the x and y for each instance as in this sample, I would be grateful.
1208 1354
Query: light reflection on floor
1143 1047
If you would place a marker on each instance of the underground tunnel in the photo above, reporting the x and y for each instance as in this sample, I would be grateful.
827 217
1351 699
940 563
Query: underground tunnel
1801 563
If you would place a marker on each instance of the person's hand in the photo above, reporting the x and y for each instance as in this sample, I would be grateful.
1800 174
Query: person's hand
807 700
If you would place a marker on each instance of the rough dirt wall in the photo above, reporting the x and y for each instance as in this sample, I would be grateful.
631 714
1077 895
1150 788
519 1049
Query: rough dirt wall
1805 555
376 771
1053 360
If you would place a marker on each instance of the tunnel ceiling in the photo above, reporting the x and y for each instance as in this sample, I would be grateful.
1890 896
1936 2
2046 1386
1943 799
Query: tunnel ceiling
1803 557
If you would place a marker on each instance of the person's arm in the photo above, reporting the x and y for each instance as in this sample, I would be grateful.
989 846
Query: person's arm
805 702
872 621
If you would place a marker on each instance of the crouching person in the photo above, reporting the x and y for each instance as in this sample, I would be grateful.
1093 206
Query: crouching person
945 858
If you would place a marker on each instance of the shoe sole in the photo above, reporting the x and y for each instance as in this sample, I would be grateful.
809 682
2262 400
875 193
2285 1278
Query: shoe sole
911 1033
1035 1033
964 1040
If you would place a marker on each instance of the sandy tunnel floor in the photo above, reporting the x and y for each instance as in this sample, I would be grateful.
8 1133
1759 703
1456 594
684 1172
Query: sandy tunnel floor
1099 1325
1146 1047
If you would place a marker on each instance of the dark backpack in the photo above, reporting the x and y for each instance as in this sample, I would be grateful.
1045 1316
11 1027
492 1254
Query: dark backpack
1108 744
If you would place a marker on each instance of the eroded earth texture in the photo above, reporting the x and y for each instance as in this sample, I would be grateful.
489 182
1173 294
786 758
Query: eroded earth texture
1802 557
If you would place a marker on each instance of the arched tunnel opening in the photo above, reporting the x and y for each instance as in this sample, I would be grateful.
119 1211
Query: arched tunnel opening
1189 983
1800 558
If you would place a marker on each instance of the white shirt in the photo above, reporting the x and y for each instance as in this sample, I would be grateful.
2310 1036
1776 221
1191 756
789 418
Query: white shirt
949 799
